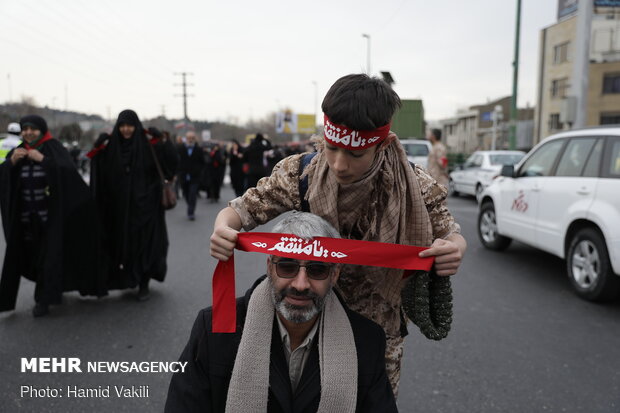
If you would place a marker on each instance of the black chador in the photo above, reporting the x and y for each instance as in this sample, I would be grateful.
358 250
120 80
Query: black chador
49 224
128 192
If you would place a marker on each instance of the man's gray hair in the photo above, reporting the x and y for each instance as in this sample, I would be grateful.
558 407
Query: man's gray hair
306 225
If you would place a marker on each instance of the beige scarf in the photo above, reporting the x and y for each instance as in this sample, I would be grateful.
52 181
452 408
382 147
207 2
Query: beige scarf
249 386
385 206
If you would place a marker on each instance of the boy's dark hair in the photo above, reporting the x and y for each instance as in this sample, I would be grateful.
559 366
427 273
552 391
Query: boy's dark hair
436 133
360 102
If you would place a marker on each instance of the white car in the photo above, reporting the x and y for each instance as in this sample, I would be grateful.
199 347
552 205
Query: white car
417 151
563 198
479 171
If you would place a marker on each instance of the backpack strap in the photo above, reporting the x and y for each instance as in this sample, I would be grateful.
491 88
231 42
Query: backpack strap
303 183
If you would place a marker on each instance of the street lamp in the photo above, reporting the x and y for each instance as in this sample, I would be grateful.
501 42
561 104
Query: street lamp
367 36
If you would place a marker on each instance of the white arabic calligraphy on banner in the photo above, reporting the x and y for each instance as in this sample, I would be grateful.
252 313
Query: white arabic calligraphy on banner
302 247
345 137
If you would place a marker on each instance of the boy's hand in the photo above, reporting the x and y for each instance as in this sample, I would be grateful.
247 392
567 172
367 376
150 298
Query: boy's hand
448 254
223 241
225 231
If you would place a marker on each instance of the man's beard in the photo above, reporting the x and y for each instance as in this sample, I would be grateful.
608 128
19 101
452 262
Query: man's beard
294 313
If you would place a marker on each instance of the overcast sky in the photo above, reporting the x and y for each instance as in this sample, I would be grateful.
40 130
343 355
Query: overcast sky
249 58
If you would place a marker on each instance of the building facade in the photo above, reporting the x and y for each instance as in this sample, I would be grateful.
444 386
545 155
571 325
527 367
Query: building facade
473 129
555 107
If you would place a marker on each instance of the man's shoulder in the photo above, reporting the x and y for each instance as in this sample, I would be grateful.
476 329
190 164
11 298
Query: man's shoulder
364 327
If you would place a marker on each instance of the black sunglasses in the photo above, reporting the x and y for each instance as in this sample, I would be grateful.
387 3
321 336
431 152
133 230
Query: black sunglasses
315 270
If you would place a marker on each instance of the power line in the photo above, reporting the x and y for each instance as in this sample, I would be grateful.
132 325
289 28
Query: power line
99 43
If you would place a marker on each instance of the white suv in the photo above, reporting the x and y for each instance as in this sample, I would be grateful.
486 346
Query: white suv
563 198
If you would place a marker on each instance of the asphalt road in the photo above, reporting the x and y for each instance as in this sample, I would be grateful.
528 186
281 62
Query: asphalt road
521 340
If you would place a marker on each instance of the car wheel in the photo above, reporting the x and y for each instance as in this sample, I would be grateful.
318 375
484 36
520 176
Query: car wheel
451 190
487 229
479 190
589 268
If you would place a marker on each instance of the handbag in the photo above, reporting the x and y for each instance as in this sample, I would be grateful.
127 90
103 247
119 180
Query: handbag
168 195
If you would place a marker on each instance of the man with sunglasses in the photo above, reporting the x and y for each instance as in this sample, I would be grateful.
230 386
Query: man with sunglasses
297 347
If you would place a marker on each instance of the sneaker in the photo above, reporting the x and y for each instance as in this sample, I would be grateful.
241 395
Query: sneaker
39 310
144 294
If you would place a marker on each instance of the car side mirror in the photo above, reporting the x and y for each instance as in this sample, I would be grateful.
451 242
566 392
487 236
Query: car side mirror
508 170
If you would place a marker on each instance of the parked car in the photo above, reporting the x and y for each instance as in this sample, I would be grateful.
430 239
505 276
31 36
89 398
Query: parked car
417 151
479 171
563 198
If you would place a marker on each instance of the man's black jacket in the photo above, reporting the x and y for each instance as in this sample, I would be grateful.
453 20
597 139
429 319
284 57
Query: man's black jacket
193 165
211 357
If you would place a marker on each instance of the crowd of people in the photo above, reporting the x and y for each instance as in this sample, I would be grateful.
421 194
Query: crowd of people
336 333
203 166
117 220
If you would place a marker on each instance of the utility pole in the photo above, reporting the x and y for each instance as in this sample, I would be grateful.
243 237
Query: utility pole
497 115
581 64
515 81
184 95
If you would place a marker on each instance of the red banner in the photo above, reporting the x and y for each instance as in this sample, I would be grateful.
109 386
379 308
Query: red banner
335 250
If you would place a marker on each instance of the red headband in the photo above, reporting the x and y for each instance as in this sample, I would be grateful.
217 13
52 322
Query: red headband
347 138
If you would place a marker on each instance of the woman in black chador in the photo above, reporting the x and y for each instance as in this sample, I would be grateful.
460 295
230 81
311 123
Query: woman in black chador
237 176
128 190
254 157
48 216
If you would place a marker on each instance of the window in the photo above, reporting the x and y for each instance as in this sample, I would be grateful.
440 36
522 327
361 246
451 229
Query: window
594 160
554 122
559 88
613 171
610 118
541 162
611 83
574 157
474 161
505 159
477 162
416 149
560 53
